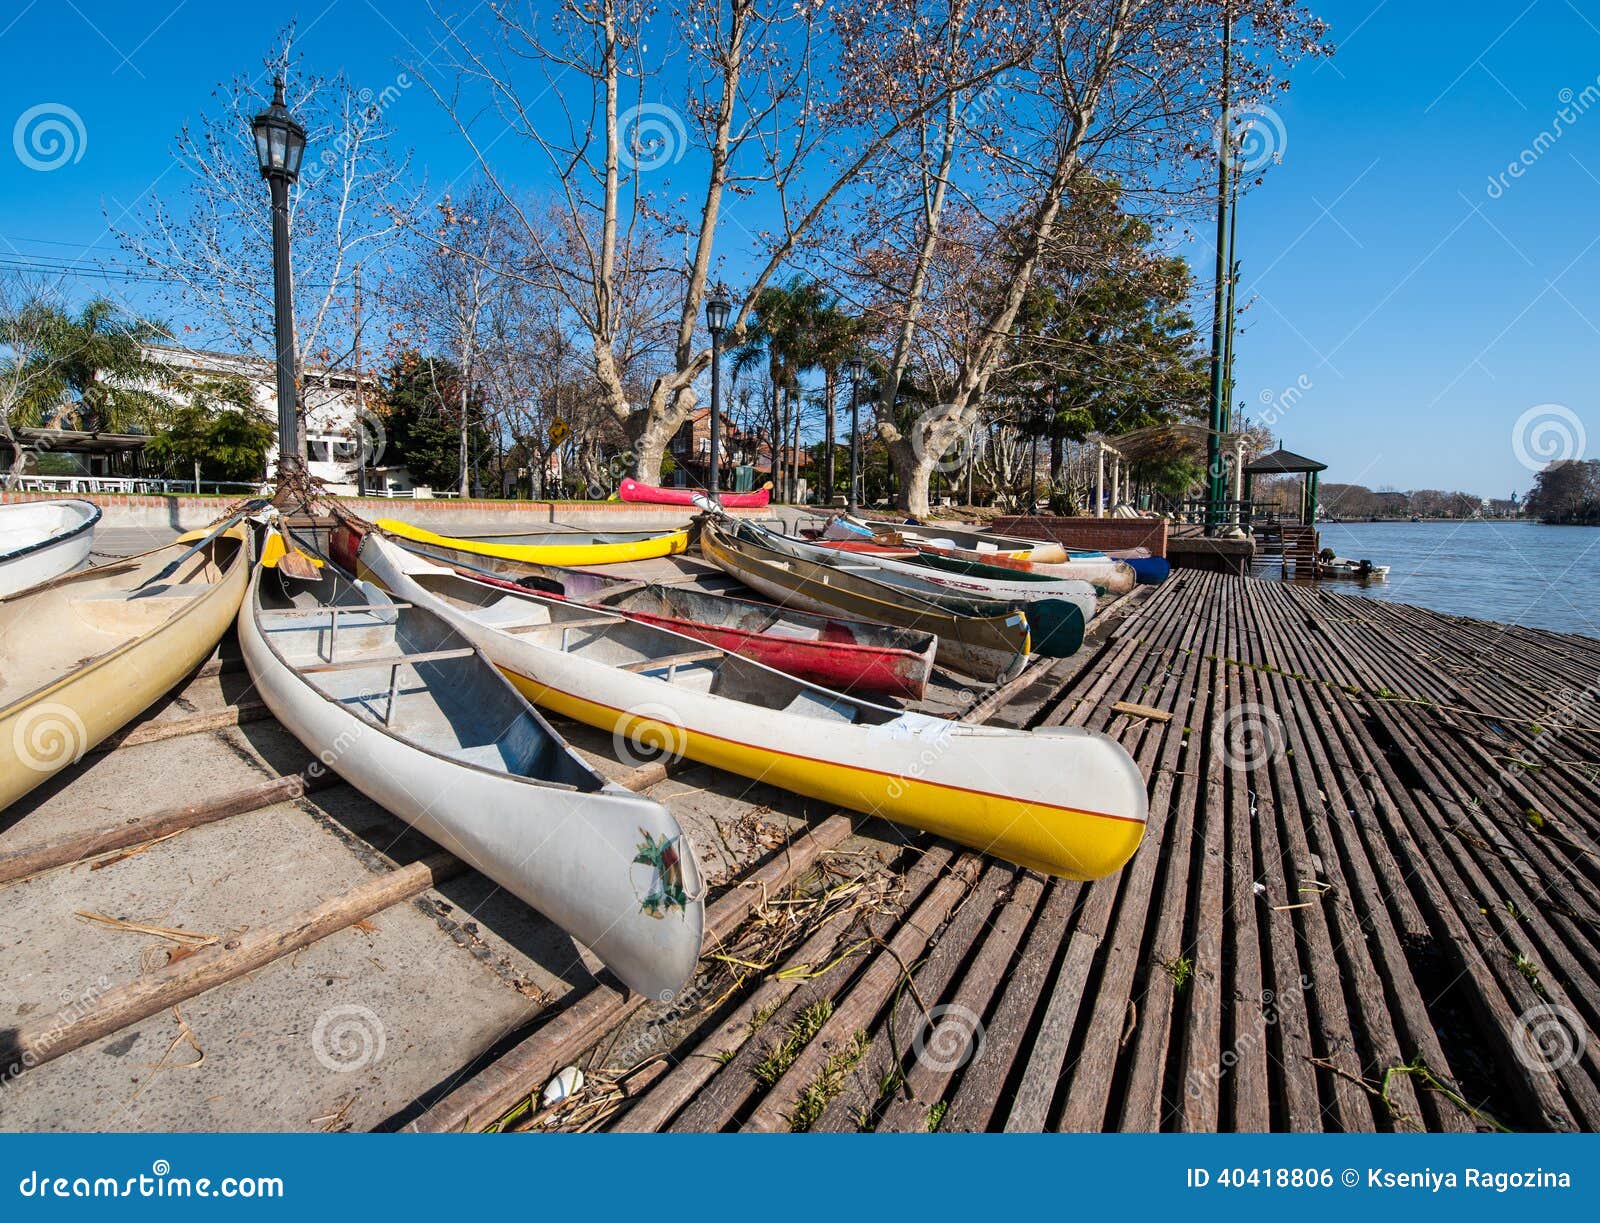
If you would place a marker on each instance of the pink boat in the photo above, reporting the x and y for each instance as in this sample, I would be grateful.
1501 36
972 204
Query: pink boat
650 494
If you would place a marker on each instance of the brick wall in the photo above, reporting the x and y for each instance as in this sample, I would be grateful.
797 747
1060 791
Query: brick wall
1089 533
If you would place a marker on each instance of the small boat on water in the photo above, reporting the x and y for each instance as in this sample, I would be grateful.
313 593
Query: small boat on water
40 540
83 654
1063 801
404 707
940 535
1344 567
849 655
985 639
1058 612
650 494
553 547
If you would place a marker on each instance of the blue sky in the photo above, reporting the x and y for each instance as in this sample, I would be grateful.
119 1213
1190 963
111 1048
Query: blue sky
1418 303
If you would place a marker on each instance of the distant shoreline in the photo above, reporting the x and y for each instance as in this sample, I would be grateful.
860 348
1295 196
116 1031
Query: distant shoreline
1337 522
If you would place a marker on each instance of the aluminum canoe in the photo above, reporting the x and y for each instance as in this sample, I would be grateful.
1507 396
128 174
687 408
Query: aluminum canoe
406 709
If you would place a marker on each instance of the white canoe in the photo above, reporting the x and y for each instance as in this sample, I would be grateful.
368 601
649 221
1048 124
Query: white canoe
403 707
1064 801
40 540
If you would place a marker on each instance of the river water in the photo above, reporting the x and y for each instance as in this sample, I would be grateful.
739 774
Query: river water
1515 572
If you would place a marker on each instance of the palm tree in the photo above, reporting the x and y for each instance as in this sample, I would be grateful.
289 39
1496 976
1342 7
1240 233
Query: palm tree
90 371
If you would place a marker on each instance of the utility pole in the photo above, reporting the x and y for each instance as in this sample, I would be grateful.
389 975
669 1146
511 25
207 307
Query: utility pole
361 400
1219 306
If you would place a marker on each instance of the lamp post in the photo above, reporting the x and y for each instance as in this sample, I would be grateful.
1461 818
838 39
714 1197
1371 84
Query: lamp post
280 144
718 307
856 367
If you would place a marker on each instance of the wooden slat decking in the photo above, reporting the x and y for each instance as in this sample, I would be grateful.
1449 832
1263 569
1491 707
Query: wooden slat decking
1366 901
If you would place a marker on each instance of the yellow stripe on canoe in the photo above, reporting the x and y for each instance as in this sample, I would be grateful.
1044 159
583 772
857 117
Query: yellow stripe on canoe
1059 841
549 554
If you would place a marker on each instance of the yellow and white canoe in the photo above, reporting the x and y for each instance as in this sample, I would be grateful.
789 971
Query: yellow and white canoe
82 655
553 547
1063 801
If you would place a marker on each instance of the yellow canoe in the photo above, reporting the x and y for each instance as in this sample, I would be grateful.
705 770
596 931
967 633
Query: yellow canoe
607 548
82 655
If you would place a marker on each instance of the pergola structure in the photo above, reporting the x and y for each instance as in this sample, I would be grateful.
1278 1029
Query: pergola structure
1283 462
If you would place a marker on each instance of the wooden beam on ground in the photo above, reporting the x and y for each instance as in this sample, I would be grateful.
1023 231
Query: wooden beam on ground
75 847
218 964
155 730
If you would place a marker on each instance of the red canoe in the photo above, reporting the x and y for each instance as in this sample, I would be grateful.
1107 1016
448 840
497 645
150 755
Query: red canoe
649 494
836 652
867 547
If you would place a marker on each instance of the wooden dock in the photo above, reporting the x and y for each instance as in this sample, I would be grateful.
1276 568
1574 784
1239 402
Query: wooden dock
1366 901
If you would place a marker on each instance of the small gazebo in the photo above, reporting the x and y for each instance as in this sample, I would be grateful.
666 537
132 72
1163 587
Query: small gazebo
1283 462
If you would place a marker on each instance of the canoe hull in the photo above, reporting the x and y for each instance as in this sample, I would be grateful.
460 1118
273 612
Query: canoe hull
40 540
912 769
56 725
650 494
549 554
991 648
569 854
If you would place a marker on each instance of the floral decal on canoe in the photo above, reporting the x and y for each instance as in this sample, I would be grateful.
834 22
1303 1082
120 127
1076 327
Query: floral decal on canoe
665 860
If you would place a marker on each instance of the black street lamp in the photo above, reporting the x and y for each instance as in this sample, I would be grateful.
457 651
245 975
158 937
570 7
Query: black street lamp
856 367
718 308
280 144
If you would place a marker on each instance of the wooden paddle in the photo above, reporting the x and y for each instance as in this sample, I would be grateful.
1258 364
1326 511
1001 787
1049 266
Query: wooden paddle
172 568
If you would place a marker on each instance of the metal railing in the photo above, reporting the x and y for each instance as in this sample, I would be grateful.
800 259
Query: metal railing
131 485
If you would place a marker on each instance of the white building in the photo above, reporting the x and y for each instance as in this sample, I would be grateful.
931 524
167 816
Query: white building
336 422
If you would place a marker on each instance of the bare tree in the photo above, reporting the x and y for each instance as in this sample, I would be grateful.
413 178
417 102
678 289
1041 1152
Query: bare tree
765 128
1122 89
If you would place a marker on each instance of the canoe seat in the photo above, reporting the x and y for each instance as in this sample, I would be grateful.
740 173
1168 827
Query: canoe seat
671 662
811 704
387 660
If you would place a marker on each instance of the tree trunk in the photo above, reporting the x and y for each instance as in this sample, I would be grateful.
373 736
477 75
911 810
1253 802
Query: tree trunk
828 390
